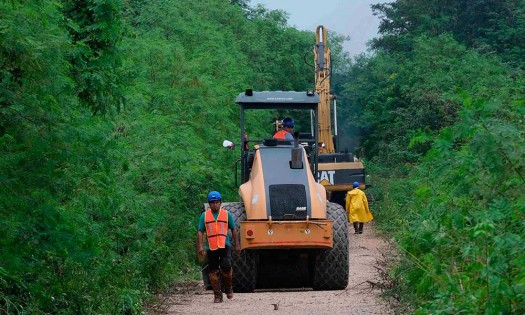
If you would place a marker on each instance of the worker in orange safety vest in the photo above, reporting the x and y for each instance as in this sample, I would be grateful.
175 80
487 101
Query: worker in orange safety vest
216 222
287 132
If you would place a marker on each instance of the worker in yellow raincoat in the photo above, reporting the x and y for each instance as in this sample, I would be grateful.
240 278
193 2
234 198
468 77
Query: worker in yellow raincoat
357 208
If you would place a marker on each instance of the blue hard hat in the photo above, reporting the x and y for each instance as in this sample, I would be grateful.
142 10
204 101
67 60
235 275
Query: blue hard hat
214 196
356 184
288 122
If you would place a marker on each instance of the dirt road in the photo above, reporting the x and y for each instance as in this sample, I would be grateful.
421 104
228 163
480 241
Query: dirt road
362 296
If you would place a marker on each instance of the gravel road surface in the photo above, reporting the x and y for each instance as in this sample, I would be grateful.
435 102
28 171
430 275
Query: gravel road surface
362 296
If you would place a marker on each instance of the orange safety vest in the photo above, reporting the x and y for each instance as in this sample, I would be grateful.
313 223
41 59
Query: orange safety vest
216 230
281 134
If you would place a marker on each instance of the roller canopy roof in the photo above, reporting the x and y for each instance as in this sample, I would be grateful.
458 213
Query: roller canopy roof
278 100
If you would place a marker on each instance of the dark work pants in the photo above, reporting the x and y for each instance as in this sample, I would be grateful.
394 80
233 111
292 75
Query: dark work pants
221 257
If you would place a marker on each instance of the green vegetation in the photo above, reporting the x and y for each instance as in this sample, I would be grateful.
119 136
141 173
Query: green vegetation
440 109
112 115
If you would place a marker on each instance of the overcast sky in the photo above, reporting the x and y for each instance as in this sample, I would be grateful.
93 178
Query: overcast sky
346 17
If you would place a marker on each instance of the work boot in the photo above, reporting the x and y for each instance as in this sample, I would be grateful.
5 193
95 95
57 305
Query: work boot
361 227
227 277
356 227
216 286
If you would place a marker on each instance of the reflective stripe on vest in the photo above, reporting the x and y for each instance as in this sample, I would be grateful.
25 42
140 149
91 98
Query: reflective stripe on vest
216 230
281 134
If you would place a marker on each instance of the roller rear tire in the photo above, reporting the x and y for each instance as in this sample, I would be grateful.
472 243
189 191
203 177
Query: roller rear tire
245 264
331 266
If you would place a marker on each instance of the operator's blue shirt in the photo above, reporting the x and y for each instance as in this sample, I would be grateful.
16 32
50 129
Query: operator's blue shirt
288 136
231 225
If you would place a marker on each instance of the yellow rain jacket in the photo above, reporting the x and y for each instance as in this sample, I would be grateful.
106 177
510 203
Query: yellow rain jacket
357 206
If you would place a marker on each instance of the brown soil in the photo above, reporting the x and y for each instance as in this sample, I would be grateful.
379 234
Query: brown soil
362 296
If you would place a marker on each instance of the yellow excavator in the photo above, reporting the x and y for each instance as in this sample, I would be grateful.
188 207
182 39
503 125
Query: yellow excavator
337 170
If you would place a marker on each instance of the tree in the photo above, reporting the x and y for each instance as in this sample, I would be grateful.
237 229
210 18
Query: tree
492 26
95 27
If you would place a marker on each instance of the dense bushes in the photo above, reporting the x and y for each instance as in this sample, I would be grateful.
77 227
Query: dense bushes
459 214
441 115
112 115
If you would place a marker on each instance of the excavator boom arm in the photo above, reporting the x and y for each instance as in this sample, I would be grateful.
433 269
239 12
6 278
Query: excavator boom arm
322 87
